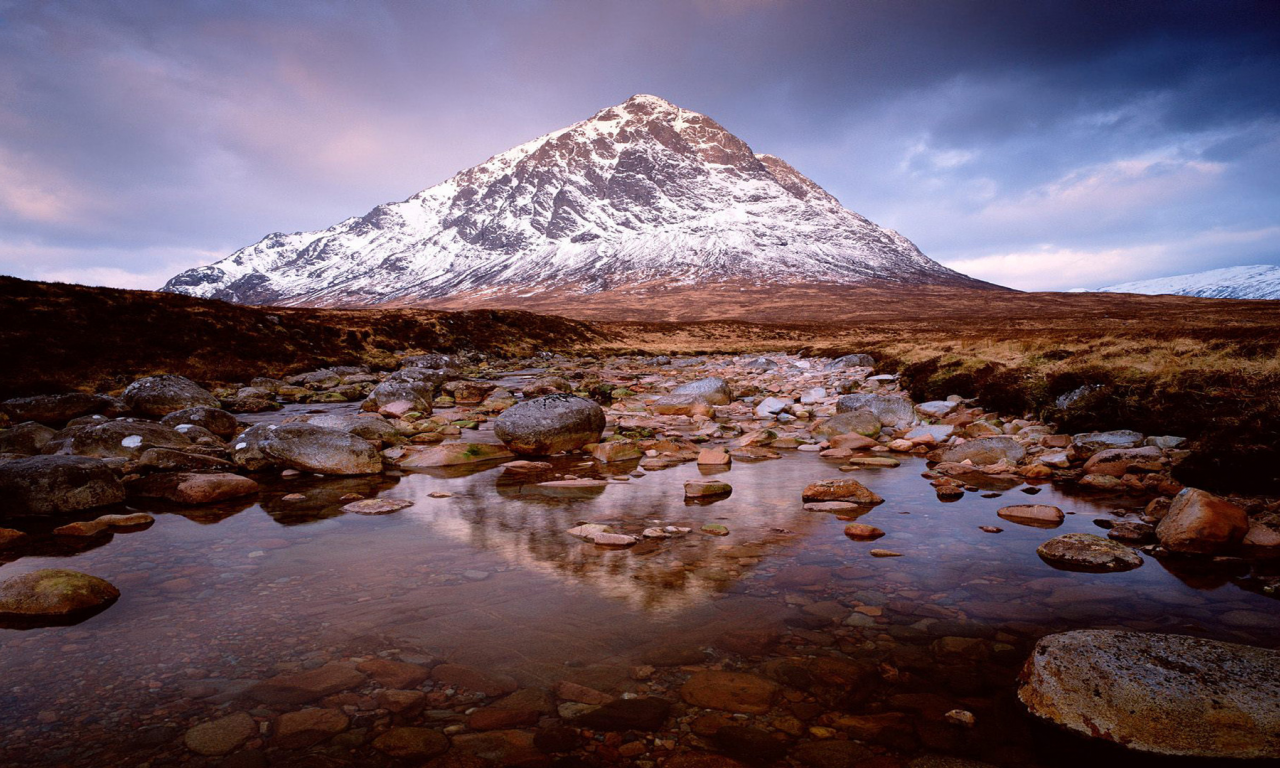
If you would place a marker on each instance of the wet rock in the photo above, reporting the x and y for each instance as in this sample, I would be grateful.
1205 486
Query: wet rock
550 424
1261 535
216 420
395 398
713 390
222 735
891 411
614 451
307 686
172 460
1087 444
714 529
370 426
874 461
193 487
53 596
1131 532
84 528
862 532
1116 462
157 396
858 422
475 680
395 674
28 438
673 655
495 747
771 406
1200 523
412 743
452 454
931 433
1038 515
641 714
57 410
856 360
1087 552
377 506
1163 694
714 457
125 438
834 682
985 450
51 485
9 537
701 489
844 489
730 692
306 448
308 727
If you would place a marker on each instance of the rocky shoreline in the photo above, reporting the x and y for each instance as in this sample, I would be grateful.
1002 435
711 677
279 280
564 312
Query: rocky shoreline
68 458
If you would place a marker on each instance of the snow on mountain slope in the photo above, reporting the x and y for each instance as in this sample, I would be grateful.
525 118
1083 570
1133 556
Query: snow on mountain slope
1259 281
641 191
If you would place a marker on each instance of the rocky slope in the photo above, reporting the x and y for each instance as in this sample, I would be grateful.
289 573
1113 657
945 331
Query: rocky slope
643 191
1260 281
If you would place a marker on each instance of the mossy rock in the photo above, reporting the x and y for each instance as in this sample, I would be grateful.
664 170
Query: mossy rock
53 596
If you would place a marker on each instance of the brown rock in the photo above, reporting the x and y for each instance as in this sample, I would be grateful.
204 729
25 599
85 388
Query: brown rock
412 743
730 692
222 735
475 680
862 532
580 693
701 489
714 457
845 489
395 674
1037 515
302 687
616 451
307 727
501 747
400 701
193 488
1199 522
9 537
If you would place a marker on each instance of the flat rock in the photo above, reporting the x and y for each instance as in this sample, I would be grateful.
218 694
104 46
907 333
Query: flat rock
1037 515
377 506
1164 694
220 736
843 489
1088 552
982 451
475 680
452 454
53 596
730 692
862 532
303 687
395 674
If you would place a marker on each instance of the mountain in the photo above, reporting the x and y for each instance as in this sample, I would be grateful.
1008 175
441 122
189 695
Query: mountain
1259 281
641 193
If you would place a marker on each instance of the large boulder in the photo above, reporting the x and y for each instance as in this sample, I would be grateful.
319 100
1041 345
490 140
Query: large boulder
397 397
53 596
1086 444
123 438
193 487
1164 694
370 426
550 424
451 454
57 410
307 448
713 390
985 450
1088 552
860 422
28 438
857 360
52 485
891 411
216 420
1118 461
158 396
1200 523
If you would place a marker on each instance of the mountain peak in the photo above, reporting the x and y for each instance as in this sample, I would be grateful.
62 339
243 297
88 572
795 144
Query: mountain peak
642 191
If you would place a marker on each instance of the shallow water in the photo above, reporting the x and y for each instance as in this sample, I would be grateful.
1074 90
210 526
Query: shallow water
215 598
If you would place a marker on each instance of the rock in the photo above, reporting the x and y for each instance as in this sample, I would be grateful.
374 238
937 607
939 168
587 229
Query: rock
714 457
482 750
1131 532
52 596
452 454
1087 444
171 460
1087 552
125 438
412 743
862 532
682 405
57 410
28 438
770 407
222 735
377 507
551 424
859 422
193 487
371 426
852 442
308 727
10 537
985 450
396 397
831 754
702 760
1200 523
474 680
835 507
930 433
714 529
856 360
1038 515
759 364
573 692
395 674
884 553
640 714
701 489
307 686
157 396
1118 461
216 420
713 391
84 528
614 451
754 745
874 461
52 485
1259 535
1163 694
845 489
730 692
891 411
306 448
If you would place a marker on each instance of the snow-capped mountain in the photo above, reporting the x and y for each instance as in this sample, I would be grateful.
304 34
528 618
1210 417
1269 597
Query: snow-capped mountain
640 192
1259 281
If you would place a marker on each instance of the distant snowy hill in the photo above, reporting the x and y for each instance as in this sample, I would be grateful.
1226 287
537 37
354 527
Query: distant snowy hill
641 192
1260 281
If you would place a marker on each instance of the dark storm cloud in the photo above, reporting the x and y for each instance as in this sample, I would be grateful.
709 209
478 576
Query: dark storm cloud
1041 144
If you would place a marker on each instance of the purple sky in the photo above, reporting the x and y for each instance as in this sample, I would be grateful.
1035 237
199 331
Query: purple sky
1041 145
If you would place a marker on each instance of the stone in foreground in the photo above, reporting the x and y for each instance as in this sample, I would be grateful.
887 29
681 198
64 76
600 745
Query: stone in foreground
1087 552
1164 694
702 489
53 596
551 424
221 736
51 485
1200 523
844 489
158 396
1037 515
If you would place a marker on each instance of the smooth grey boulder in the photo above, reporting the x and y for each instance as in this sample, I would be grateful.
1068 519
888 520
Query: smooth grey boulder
1163 694
219 422
1088 553
370 426
891 411
28 438
985 450
713 390
862 422
57 410
857 360
53 485
122 438
937 409
760 364
159 396
1086 444
551 424
307 448
407 395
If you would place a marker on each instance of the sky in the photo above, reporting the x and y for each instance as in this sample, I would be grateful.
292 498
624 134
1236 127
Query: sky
1040 145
